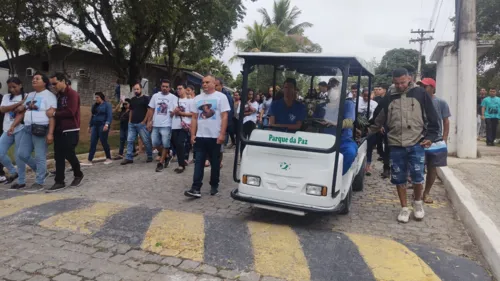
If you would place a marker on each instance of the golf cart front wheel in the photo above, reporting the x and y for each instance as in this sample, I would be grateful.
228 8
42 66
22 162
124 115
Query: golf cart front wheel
358 184
346 204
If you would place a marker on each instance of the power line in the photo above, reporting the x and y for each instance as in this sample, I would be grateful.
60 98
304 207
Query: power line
421 41
434 20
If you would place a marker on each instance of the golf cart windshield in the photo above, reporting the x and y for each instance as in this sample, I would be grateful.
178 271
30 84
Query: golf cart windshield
313 65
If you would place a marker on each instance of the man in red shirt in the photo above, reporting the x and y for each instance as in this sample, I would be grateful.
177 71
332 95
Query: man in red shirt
67 131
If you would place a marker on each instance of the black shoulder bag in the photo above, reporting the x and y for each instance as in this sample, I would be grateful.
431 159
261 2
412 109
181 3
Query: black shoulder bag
38 129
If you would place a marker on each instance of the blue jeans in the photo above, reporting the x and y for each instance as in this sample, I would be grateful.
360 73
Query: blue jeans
370 144
348 149
204 147
123 138
27 144
404 159
6 142
133 131
161 136
97 133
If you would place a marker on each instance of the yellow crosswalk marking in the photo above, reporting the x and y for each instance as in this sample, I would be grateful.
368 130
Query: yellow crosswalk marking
390 260
86 221
176 234
13 205
278 252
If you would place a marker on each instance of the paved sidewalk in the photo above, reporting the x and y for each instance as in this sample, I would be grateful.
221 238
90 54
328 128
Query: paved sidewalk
482 177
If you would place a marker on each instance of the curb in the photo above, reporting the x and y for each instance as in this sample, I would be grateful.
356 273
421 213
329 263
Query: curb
482 228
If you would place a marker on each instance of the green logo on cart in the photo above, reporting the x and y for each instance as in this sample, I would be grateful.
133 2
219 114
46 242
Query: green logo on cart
285 166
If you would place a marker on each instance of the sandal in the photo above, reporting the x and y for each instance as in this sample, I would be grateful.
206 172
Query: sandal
428 199
180 169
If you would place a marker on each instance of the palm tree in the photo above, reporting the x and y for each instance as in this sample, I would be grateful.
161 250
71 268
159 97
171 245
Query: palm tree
261 39
284 18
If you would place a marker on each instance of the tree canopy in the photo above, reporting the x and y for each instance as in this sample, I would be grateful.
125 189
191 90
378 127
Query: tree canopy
488 28
126 32
400 57
278 32
285 18
215 67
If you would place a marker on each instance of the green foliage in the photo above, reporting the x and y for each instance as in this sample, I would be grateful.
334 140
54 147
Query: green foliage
284 18
279 33
197 29
215 67
488 28
397 58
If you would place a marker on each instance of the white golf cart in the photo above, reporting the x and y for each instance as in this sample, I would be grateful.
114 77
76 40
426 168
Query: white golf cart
299 172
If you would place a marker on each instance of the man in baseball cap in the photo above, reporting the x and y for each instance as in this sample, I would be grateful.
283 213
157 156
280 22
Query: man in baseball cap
436 154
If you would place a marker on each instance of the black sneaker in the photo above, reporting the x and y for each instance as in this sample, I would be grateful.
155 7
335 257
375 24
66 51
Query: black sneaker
76 181
159 167
193 193
386 174
126 161
149 160
167 161
11 178
56 187
17 186
214 191
34 188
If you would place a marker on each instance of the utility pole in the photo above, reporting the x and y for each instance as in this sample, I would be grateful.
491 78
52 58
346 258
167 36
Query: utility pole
467 83
421 40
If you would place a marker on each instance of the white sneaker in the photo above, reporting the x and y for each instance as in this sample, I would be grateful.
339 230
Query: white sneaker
86 163
404 215
155 151
108 161
3 179
418 210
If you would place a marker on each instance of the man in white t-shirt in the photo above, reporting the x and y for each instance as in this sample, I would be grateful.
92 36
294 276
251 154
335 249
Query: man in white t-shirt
208 133
181 124
160 113
363 104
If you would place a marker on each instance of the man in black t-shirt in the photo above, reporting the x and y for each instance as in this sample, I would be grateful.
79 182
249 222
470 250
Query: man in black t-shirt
137 125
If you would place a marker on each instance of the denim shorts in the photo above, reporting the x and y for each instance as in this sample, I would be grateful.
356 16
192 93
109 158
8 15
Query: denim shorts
161 136
407 160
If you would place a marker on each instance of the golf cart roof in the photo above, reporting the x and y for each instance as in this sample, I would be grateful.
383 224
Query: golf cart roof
312 64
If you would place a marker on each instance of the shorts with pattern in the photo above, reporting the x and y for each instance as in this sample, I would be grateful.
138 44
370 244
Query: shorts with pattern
407 160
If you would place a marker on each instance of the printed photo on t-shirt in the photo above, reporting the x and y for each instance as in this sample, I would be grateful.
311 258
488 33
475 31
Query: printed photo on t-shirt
162 108
207 109
34 104
12 115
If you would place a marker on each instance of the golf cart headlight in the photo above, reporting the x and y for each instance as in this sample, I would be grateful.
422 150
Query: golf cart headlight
316 190
251 180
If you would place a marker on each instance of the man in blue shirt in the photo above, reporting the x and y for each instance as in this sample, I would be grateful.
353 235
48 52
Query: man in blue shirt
287 114
329 112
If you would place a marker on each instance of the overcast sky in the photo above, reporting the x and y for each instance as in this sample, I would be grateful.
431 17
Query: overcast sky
364 28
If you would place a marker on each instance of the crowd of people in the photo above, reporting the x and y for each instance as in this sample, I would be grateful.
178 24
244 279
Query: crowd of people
488 113
407 124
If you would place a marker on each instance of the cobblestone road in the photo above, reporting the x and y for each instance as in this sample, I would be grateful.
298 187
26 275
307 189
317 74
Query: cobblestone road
121 209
